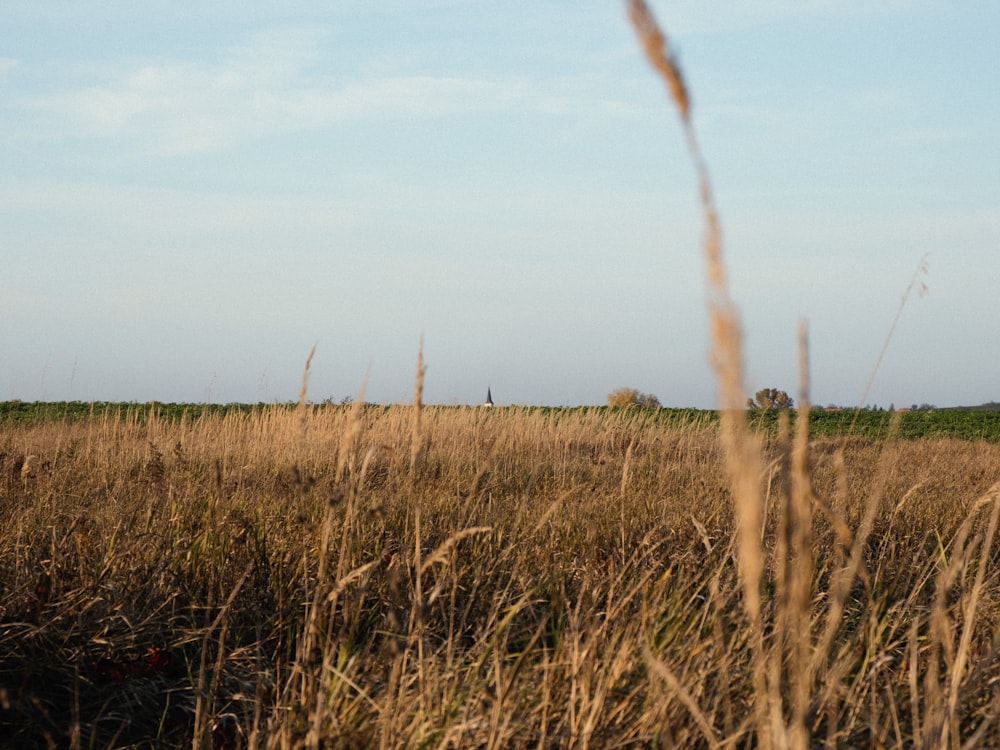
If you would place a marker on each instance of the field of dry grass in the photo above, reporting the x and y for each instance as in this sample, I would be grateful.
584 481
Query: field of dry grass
504 578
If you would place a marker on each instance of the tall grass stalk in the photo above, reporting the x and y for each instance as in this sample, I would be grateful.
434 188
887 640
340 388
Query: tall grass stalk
416 440
742 455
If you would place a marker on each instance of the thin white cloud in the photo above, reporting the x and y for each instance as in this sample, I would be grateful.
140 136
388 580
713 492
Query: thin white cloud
271 85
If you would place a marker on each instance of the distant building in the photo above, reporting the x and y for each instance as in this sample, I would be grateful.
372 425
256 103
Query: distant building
489 398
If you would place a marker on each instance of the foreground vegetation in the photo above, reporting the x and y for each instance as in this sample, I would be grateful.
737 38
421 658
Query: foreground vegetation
482 578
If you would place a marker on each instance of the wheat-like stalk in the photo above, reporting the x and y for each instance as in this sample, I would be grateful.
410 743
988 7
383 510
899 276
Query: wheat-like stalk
303 411
742 455
416 435
917 284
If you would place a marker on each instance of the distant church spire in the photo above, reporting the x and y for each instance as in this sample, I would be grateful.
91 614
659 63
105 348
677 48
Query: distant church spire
489 397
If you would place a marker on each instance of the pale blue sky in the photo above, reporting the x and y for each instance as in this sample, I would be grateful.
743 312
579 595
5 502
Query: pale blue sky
192 195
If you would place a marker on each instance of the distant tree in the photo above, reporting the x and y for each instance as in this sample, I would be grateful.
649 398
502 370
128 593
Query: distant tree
770 399
633 397
345 401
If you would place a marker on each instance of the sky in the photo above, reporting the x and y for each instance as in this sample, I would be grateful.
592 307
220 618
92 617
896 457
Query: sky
195 194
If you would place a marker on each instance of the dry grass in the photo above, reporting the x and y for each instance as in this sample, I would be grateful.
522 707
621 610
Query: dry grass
537 580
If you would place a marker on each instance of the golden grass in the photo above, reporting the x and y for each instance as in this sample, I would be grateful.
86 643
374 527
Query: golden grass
508 593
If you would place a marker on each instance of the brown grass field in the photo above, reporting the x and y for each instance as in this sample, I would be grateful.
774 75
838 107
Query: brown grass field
531 579
414 577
